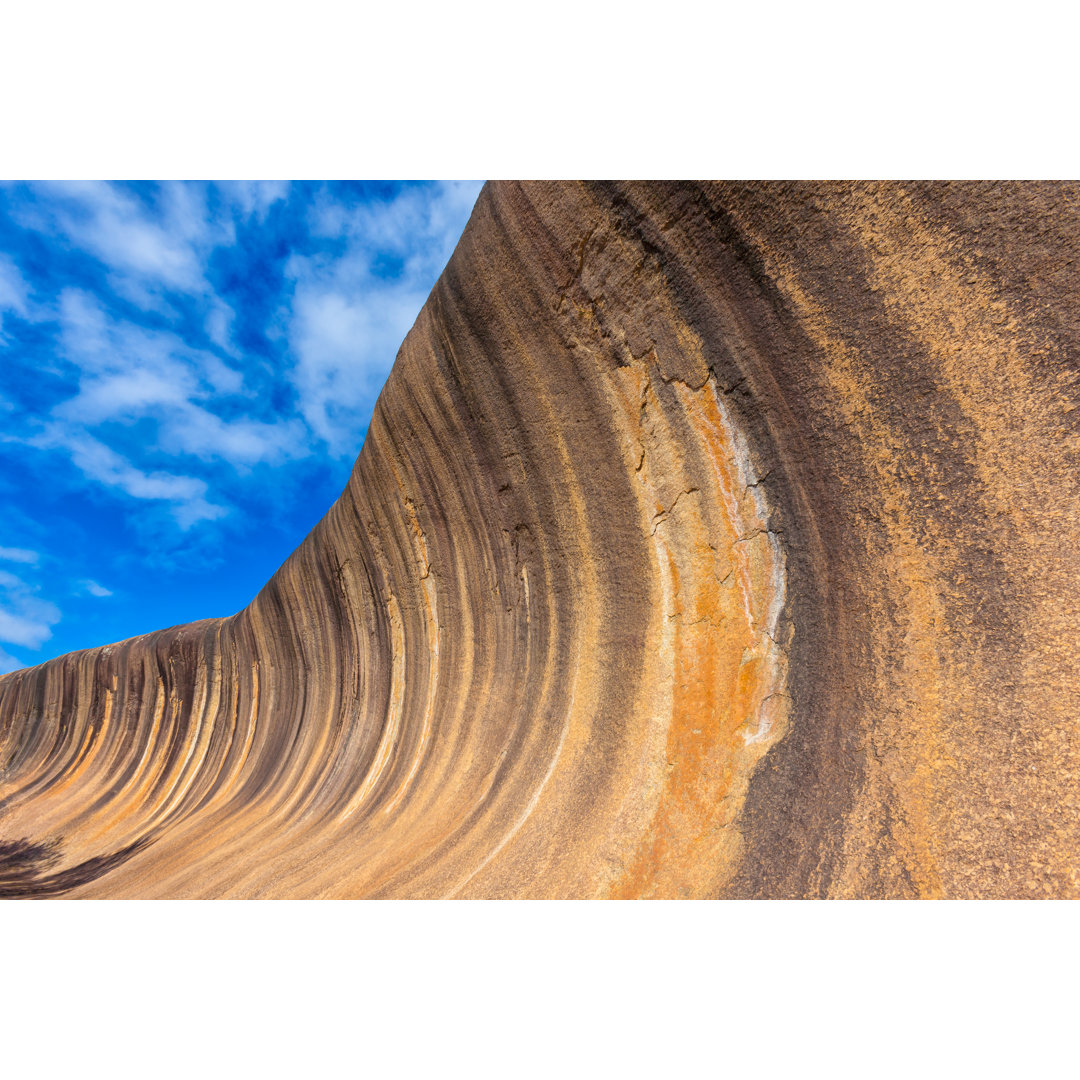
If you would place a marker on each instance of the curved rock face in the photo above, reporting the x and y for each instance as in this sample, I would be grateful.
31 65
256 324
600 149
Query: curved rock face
708 540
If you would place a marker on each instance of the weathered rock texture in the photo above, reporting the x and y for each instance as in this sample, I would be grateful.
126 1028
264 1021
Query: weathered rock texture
708 540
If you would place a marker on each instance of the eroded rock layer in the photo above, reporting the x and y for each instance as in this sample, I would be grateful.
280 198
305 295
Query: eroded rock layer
708 540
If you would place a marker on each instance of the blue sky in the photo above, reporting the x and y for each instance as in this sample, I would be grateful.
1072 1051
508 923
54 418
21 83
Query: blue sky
187 372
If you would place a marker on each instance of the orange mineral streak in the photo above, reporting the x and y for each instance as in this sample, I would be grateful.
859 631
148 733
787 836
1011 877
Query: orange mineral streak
722 590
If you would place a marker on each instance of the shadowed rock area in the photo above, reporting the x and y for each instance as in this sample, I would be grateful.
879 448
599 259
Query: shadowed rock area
708 540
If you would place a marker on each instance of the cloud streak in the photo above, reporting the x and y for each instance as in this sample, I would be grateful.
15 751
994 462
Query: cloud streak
146 248
13 290
101 463
349 315
25 619
19 555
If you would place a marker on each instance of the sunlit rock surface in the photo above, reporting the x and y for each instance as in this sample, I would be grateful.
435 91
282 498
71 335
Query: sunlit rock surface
708 540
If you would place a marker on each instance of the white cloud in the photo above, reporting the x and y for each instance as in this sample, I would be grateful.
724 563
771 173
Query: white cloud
255 197
127 396
349 317
242 442
19 555
143 249
18 629
84 330
128 373
218 325
99 346
94 589
9 663
422 224
13 289
345 344
103 464
25 619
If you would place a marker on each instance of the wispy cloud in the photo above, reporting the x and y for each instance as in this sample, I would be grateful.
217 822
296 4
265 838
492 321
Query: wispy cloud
103 464
147 248
94 589
100 345
19 555
25 619
350 313
125 374
255 197
9 663
13 290
128 373
344 348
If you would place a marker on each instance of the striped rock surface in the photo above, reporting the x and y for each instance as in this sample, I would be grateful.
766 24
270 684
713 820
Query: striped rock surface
708 540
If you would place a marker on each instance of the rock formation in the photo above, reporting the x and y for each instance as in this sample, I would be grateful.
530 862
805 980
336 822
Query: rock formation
708 540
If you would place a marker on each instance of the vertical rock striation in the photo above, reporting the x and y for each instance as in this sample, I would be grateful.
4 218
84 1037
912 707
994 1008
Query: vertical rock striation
707 540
